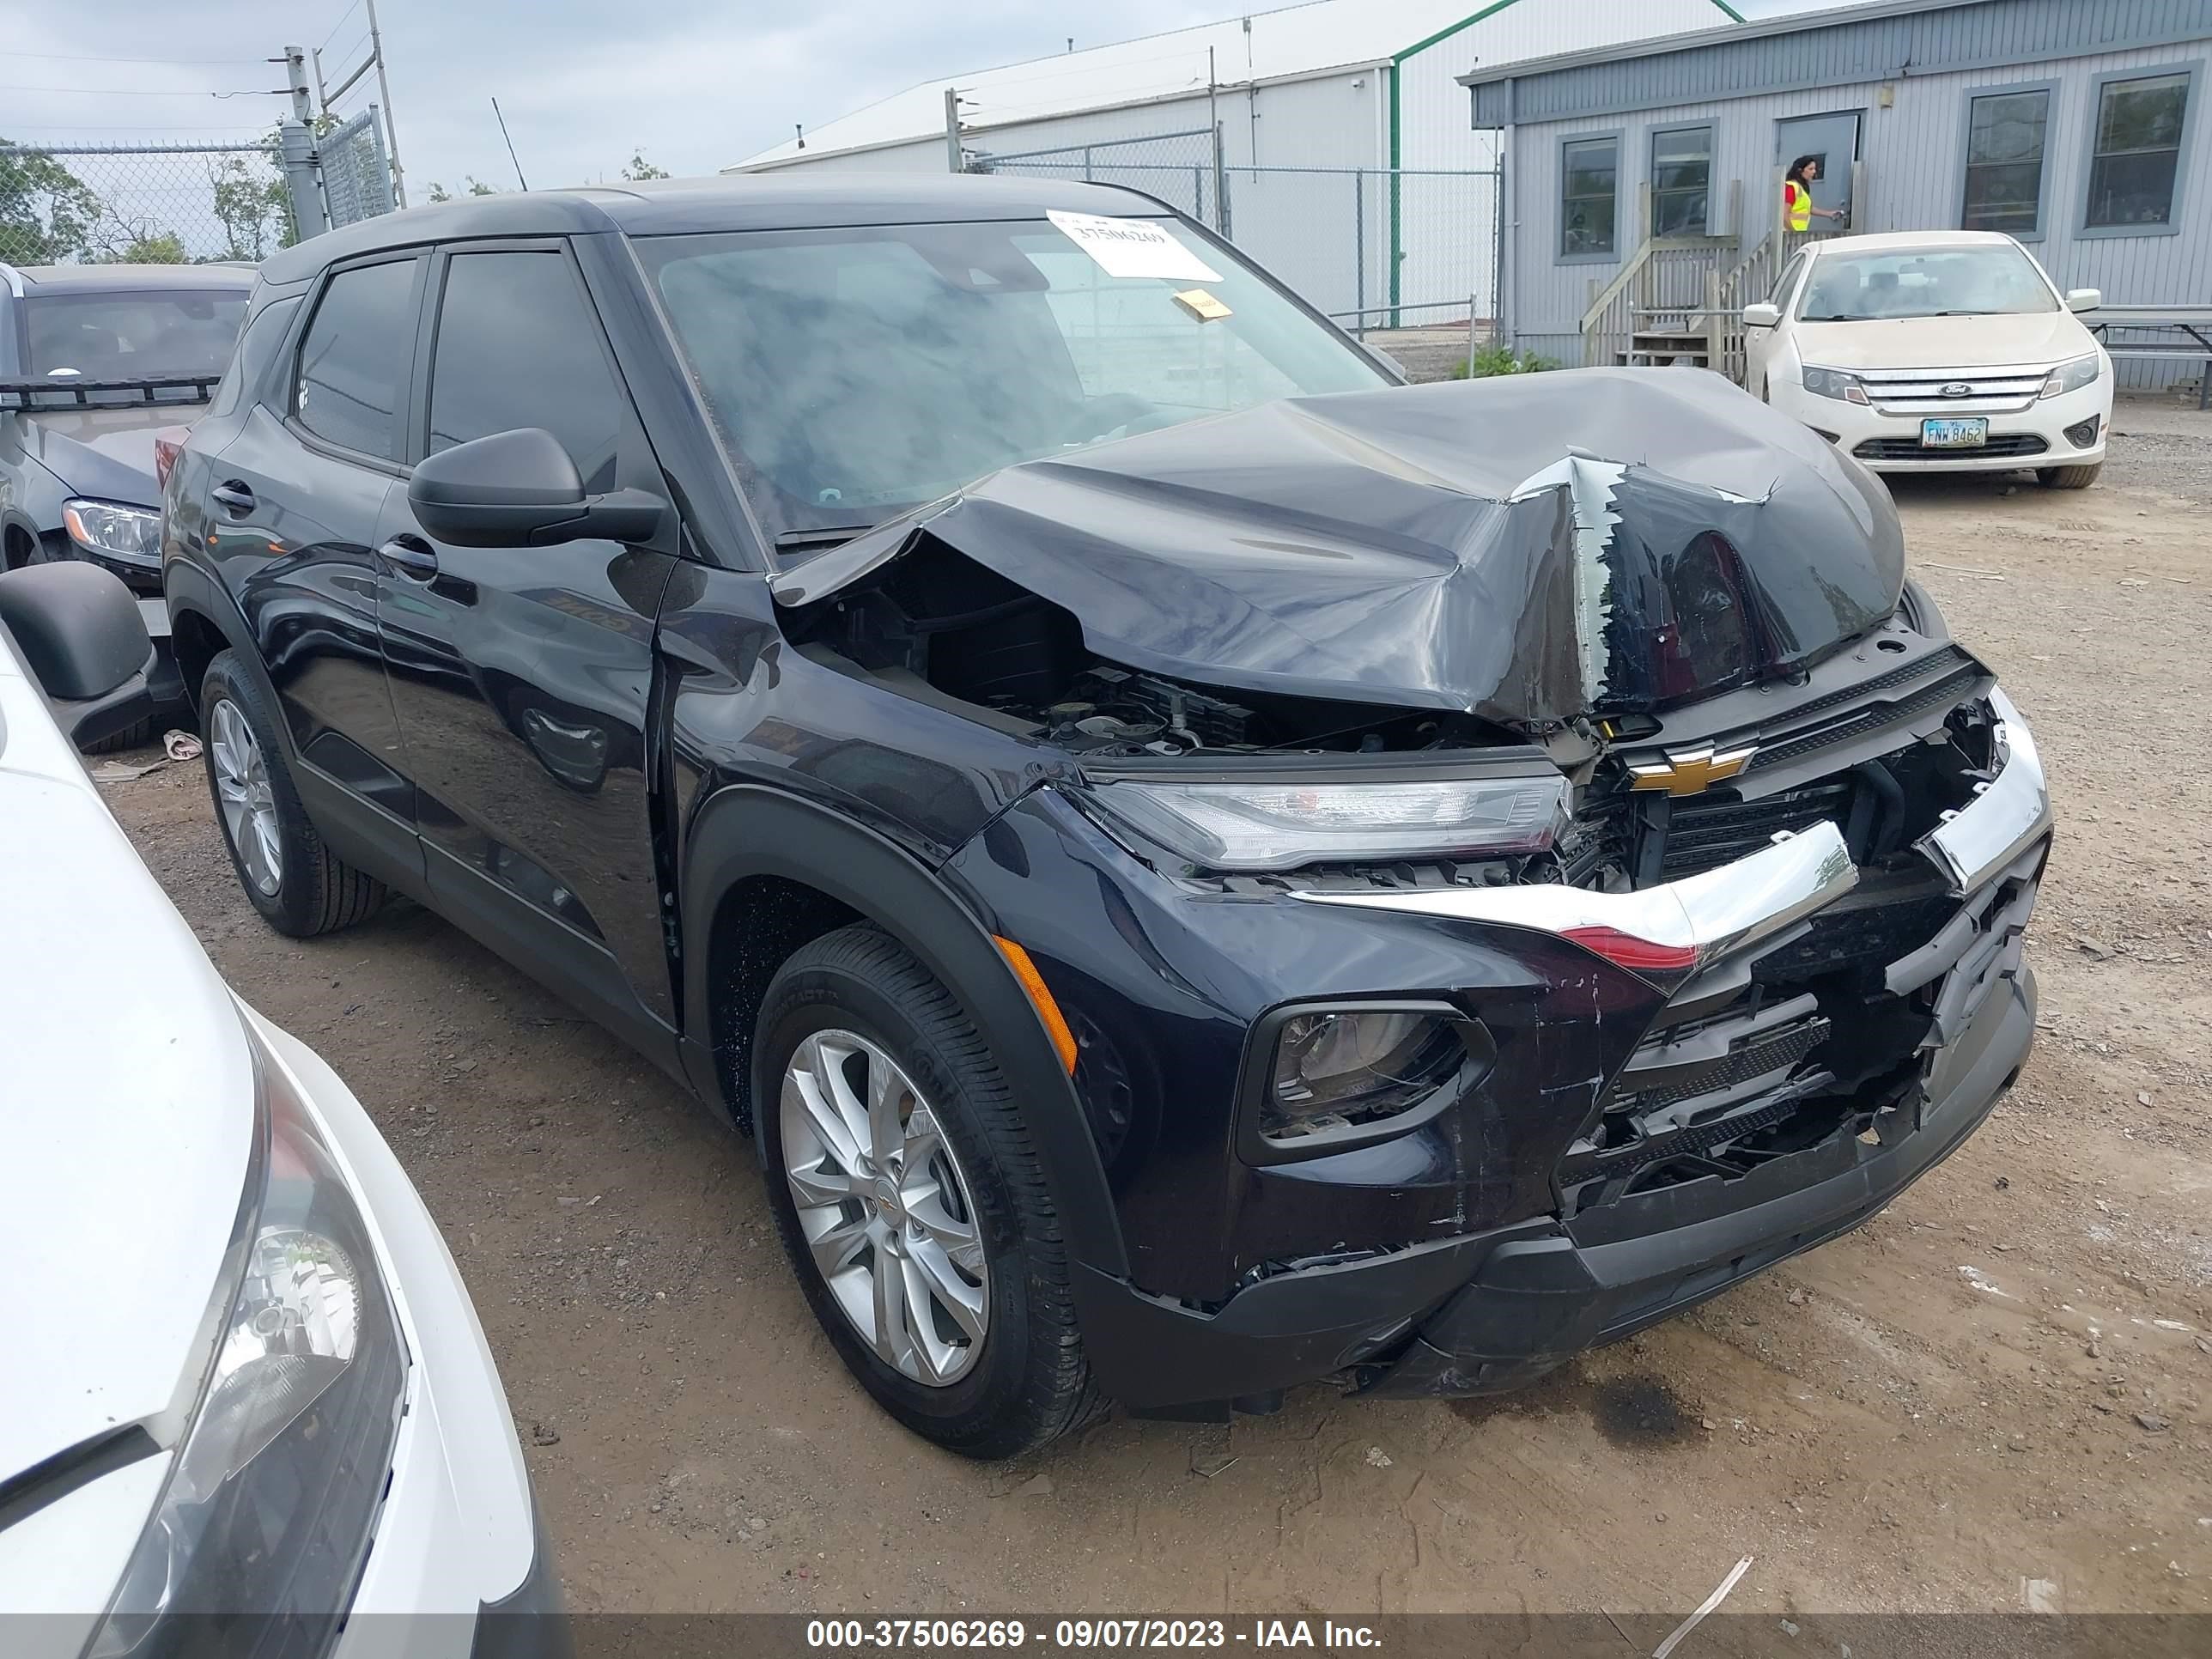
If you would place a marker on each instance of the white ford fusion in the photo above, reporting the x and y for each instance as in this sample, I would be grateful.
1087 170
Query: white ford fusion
246 1405
1935 350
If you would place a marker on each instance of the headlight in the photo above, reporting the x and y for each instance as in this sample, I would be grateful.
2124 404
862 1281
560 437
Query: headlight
1279 826
1834 383
2072 377
276 1478
120 533
1339 1077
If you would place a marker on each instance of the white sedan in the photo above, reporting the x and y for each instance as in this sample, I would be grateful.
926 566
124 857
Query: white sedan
1935 350
245 1401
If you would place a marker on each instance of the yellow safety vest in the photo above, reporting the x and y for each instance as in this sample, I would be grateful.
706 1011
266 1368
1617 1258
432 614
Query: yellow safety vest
1797 204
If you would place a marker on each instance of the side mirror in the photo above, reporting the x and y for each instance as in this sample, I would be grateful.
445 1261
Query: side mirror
1761 315
2084 299
77 630
520 488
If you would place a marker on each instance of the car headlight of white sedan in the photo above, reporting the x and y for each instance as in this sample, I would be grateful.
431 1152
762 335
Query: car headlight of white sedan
275 1484
2072 377
1834 383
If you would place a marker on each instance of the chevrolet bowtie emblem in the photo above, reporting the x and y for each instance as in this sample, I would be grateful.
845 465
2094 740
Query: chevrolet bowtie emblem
1691 771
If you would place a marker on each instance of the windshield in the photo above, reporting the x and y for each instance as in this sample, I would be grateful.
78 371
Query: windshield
856 372
134 336
1991 280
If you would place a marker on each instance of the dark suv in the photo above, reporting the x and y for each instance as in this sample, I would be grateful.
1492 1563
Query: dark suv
1203 868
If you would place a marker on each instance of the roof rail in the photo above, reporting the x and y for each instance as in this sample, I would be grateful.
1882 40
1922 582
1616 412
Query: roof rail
12 277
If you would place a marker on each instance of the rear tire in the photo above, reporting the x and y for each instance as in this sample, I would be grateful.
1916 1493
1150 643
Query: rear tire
2068 477
851 1008
298 885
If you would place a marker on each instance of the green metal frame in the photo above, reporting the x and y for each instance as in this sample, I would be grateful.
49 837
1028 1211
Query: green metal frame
1397 62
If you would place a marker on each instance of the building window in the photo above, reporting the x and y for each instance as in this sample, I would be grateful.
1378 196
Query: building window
2005 133
2135 150
1589 171
1681 180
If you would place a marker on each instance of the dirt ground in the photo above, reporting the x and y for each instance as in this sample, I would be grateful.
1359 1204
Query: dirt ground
1997 1396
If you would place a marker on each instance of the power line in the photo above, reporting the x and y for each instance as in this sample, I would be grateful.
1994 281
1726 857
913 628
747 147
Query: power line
337 23
106 57
151 92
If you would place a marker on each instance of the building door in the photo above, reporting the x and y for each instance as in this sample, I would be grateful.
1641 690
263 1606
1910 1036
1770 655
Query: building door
1834 139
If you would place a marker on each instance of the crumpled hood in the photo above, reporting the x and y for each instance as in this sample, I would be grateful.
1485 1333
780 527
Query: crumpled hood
2036 339
105 454
1526 548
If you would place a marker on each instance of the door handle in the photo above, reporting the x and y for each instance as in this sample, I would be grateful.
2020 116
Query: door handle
232 497
412 556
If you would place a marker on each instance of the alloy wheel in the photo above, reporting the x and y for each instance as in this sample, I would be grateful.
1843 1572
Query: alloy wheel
884 1207
241 786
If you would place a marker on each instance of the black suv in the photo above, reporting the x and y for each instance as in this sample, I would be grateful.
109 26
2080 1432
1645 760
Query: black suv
1202 867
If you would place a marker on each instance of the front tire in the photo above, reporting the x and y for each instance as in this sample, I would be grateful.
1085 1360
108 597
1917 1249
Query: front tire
2068 477
298 885
910 1202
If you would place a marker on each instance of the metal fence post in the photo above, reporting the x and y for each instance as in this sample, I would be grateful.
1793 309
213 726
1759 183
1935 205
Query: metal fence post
1359 250
309 215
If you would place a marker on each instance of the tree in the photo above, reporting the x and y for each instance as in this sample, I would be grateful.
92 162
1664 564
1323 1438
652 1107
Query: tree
46 212
162 247
477 187
639 169
253 207
439 192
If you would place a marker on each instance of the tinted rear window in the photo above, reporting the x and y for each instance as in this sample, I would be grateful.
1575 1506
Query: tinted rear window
133 337
354 359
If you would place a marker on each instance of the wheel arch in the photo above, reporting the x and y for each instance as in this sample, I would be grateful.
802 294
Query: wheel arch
203 621
815 870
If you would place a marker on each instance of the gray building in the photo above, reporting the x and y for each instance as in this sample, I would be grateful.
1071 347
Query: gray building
1643 185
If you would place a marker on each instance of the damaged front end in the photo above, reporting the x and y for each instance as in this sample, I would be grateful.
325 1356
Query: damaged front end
1710 851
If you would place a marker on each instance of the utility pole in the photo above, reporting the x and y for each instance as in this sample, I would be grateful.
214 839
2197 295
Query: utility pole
953 162
295 72
384 90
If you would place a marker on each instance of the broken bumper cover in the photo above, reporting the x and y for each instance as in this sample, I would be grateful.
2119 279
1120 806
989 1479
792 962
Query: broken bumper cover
1485 1313
1536 1302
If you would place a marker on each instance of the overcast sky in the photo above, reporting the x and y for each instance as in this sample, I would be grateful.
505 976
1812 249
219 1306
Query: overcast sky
583 83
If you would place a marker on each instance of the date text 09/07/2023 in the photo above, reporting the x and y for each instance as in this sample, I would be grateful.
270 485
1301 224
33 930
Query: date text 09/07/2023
935 1635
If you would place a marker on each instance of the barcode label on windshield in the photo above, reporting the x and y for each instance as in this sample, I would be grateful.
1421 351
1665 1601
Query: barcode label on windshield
1132 247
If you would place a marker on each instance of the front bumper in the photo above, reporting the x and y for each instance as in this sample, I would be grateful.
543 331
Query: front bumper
458 1562
1481 1313
2019 438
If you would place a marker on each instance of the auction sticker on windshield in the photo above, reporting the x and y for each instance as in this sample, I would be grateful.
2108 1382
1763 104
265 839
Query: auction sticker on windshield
1132 247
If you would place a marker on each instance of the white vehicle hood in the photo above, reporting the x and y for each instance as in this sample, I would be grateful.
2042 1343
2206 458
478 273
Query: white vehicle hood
2043 337
126 1109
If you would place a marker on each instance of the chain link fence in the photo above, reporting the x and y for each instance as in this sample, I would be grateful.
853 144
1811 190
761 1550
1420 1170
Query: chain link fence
142 204
1374 247
1181 168
356 172
189 203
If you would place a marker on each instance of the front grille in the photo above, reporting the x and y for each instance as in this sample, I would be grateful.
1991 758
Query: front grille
1775 1052
1703 833
1921 391
1948 656
1910 449
1937 694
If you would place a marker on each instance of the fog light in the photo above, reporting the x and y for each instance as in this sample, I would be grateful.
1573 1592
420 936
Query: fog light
2083 435
1337 1073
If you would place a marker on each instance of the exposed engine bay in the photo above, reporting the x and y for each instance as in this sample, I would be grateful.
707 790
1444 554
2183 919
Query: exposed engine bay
938 620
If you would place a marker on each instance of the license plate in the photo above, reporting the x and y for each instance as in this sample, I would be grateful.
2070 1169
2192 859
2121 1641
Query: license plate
1954 433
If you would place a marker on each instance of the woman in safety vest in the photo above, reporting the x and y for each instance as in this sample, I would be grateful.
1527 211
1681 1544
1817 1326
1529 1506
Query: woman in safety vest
1797 209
